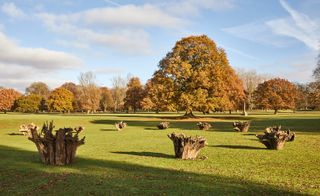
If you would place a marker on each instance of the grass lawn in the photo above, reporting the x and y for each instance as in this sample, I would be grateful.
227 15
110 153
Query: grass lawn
139 160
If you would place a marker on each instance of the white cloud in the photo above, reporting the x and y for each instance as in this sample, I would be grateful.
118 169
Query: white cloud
126 27
128 40
37 58
12 10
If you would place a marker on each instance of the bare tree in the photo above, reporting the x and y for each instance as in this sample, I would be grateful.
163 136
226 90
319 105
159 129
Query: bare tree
38 88
316 71
119 88
89 92
251 79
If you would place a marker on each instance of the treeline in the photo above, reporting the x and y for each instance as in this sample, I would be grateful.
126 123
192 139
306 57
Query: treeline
194 76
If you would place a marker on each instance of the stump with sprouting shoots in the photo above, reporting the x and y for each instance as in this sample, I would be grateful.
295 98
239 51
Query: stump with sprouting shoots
241 126
187 147
274 138
163 125
120 125
204 126
55 147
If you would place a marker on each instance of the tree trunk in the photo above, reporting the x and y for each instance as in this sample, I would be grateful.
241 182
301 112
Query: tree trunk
189 114
275 111
275 139
58 149
241 126
187 147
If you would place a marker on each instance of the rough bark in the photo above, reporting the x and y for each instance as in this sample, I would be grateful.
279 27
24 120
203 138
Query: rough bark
58 149
120 125
275 139
187 147
241 126
204 126
163 125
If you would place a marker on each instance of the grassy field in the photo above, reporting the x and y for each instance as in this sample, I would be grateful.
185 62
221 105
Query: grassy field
139 160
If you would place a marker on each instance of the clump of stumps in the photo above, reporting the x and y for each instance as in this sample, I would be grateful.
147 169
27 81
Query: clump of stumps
275 139
241 126
187 147
163 125
54 149
120 125
204 126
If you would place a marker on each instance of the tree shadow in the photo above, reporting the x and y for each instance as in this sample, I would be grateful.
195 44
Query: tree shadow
108 130
153 129
146 154
108 177
238 147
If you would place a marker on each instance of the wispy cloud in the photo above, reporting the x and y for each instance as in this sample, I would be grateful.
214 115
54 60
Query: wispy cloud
277 32
298 26
12 10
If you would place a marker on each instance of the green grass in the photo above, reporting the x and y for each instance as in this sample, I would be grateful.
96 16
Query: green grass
140 161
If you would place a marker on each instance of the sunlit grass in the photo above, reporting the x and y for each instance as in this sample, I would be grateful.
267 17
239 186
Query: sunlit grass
139 159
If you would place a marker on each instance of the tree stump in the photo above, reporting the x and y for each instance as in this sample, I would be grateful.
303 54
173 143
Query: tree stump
58 149
187 147
24 129
204 125
120 125
163 125
241 126
275 139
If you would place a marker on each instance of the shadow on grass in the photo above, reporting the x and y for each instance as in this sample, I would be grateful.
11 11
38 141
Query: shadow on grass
146 154
238 147
108 177
108 130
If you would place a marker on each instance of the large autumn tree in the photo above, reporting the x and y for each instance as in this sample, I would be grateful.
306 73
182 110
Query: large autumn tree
60 100
276 94
134 94
7 98
196 75
314 94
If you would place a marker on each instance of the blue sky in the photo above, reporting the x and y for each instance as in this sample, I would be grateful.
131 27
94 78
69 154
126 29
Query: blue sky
53 41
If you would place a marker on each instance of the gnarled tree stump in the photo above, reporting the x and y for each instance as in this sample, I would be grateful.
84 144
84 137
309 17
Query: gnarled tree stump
204 125
274 138
24 129
58 149
241 126
120 125
187 147
163 125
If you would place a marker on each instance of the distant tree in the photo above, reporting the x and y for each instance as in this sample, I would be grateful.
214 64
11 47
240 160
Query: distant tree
251 79
106 100
89 92
118 92
38 88
134 94
196 75
7 99
60 100
28 103
316 71
75 89
276 94
303 97
314 94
